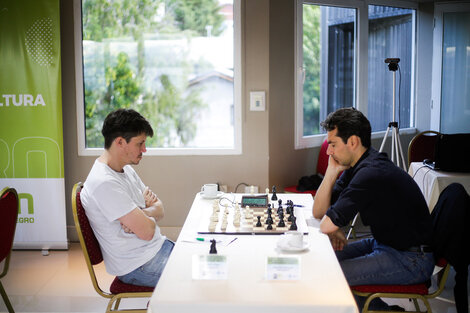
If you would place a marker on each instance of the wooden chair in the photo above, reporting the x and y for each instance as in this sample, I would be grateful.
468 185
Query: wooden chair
92 253
413 292
422 146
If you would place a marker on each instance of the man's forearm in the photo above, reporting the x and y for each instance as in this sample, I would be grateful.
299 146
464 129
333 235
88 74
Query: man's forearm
156 210
323 196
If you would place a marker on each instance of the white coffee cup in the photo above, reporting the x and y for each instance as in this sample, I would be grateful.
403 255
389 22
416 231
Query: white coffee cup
209 190
295 238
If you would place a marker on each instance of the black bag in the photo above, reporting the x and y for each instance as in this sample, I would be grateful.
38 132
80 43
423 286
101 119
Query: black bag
309 182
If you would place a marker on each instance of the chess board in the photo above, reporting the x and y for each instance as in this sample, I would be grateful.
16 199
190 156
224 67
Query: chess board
224 221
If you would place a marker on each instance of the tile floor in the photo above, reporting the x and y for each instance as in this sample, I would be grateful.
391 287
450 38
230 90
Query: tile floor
60 282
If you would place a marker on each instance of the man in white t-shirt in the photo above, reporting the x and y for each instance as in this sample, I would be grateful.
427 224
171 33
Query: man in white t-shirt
123 212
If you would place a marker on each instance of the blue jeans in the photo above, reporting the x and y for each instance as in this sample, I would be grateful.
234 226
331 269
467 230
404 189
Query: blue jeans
149 273
367 262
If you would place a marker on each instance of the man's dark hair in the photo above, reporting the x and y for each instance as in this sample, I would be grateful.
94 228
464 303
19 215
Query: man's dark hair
125 123
349 121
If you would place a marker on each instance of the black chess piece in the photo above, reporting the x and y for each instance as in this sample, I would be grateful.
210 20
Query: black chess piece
280 210
213 249
281 221
293 226
258 224
269 220
280 203
291 215
274 196
269 211
270 225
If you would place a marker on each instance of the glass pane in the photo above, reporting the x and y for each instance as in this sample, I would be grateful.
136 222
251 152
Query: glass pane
172 60
390 36
455 102
328 62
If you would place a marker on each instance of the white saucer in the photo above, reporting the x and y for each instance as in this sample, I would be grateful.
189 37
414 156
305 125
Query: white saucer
218 195
286 246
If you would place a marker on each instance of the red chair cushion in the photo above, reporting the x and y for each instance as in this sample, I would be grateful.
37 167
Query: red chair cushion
293 189
322 163
421 289
92 245
118 286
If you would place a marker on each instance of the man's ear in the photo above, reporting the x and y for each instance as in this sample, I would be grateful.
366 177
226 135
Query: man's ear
354 141
119 141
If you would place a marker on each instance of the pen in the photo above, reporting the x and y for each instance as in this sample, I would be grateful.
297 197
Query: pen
205 239
232 240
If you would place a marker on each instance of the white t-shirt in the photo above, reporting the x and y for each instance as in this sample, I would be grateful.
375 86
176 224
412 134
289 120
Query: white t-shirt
107 196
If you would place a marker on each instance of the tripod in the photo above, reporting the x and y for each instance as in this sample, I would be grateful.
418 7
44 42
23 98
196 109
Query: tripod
397 153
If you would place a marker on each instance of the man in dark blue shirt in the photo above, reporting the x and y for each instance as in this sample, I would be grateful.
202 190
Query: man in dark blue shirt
388 200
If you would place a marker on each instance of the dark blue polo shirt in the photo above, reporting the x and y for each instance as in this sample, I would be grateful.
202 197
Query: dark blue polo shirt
388 200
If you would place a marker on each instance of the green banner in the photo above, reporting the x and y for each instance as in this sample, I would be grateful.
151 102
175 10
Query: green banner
31 137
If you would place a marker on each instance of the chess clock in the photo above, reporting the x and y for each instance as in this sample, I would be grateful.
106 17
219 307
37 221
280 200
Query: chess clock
255 201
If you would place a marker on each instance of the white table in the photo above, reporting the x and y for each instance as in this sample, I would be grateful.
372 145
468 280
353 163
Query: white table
321 288
432 182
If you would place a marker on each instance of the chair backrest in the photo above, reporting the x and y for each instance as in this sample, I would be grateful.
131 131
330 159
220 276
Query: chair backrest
90 246
9 204
450 218
422 146
322 163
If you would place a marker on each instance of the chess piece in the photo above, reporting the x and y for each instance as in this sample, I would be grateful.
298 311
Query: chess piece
213 249
270 226
269 220
258 224
267 191
212 227
274 197
293 226
291 217
281 221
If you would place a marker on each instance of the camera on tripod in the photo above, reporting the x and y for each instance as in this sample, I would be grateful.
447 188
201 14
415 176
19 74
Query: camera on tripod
392 63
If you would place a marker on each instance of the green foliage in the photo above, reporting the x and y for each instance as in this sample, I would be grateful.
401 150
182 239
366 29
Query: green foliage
196 15
116 79
312 66
103 19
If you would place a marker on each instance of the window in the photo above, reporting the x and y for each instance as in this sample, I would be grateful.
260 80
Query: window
176 62
450 110
391 35
340 63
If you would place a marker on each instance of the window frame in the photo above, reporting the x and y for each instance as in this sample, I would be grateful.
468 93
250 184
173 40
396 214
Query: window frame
237 94
360 64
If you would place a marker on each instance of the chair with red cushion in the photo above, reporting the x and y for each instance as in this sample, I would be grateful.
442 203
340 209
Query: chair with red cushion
449 219
9 204
322 165
413 292
92 253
